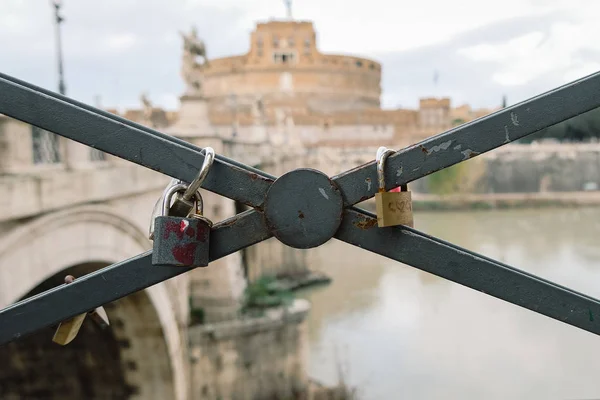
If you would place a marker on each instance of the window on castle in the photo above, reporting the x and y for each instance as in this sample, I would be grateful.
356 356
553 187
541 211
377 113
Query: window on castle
46 149
372 66
359 64
275 41
259 42
281 57
291 41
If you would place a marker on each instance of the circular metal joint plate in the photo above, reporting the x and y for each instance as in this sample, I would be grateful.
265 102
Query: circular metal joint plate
303 208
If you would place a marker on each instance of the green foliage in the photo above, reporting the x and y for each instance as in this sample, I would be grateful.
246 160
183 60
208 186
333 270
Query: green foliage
458 121
196 314
265 292
447 180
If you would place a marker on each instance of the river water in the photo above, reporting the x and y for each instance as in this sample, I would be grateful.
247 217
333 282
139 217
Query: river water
399 333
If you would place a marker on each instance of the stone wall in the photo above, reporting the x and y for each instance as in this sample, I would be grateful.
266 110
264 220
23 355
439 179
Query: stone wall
525 169
542 168
257 358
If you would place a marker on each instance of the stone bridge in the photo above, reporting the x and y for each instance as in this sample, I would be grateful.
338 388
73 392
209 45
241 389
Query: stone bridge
68 209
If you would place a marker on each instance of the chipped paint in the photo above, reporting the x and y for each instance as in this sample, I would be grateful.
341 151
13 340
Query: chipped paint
399 171
507 140
469 154
368 181
441 146
323 193
514 118
457 147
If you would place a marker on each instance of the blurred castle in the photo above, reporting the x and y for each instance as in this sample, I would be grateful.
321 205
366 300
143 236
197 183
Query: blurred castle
324 99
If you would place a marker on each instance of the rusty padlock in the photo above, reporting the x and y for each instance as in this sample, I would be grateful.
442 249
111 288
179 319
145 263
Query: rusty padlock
181 241
67 330
183 204
393 208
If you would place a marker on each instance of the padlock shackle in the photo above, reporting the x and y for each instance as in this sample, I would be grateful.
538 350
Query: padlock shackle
168 196
192 189
180 187
382 154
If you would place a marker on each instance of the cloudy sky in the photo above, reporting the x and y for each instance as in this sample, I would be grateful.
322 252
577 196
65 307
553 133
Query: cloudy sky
482 49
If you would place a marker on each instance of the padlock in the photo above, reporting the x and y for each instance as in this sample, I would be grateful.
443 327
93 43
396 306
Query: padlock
67 330
393 208
181 241
183 203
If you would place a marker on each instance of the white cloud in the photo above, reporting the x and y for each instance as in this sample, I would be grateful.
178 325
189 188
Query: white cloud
520 60
382 25
580 71
120 42
109 46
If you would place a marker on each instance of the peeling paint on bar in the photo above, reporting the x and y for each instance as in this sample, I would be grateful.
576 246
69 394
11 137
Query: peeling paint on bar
442 146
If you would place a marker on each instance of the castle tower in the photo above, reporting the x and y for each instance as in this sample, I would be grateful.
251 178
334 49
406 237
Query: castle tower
286 69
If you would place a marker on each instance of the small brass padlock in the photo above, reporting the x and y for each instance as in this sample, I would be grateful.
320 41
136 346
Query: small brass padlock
67 330
181 241
393 208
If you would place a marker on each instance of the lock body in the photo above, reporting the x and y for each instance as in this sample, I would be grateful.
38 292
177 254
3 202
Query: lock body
181 241
67 330
394 208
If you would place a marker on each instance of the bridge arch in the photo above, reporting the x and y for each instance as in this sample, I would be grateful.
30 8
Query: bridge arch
141 354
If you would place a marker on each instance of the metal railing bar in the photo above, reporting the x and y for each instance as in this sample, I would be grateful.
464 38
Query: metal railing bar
470 269
474 138
130 123
141 147
119 280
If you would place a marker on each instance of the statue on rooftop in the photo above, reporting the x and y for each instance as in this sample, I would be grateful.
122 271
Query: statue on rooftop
192 70
146 106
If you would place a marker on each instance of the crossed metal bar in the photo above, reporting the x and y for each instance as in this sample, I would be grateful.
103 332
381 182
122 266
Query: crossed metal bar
182 160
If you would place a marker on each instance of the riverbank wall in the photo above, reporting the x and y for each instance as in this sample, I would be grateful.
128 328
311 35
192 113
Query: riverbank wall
516 176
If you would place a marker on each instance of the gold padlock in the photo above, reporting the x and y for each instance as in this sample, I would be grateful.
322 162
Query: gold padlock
393 208
67 330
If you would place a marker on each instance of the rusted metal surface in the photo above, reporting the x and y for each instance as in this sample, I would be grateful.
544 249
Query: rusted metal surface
295 212
180 241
